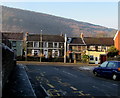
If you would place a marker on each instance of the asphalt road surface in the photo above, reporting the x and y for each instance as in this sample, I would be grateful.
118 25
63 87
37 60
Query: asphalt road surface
70 81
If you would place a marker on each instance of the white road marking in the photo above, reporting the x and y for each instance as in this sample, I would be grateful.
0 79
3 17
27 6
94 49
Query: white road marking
115 84
69 74
73 88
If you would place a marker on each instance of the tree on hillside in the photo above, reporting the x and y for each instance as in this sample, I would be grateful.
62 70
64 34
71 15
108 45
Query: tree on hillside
112 51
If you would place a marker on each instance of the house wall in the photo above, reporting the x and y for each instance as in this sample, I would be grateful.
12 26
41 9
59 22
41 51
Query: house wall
49 49
94 54
18 47
117 42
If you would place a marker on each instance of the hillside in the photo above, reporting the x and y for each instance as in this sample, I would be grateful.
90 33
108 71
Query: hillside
18 20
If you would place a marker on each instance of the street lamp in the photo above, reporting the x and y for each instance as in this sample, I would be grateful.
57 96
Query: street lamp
65 44
41 46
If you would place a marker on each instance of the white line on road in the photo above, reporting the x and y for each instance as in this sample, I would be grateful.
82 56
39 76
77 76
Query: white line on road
45 91
69 74
73 88
115 84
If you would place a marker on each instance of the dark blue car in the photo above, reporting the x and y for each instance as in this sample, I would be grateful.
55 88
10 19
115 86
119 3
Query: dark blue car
108 69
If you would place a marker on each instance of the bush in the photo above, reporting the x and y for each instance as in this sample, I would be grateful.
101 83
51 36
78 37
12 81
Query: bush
85 58
112 51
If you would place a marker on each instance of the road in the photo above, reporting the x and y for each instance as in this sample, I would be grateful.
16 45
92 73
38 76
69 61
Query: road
70 81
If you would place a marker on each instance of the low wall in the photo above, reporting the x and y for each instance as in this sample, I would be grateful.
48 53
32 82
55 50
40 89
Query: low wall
8 63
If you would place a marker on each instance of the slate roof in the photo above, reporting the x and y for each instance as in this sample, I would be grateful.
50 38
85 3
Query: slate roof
92 41
99 41
48 38
12 36
76 41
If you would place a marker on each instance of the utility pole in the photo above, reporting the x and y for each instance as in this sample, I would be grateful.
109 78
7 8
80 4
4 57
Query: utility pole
65 44
25 43
41 46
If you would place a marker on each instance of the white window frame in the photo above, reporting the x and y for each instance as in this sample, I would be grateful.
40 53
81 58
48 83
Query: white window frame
45 44
36 43
55 43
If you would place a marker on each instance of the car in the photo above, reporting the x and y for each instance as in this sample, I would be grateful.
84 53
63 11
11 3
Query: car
108 69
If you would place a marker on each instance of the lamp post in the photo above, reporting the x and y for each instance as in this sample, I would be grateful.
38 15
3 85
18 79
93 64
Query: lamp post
41 46
65 44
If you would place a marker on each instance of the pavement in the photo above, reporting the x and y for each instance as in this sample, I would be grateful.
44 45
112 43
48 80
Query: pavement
87 68
18 85
55 63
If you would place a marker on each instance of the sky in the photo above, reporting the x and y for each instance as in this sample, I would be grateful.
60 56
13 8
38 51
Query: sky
99 13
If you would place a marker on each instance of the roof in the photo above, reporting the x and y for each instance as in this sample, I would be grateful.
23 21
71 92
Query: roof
92 41
98 41
12 36
77 40
49 38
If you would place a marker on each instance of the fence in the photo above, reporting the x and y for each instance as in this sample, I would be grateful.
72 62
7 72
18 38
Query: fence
8 63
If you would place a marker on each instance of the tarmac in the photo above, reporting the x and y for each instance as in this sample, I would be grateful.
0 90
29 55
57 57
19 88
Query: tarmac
19 85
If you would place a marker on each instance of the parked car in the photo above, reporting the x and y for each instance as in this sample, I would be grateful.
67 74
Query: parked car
108 69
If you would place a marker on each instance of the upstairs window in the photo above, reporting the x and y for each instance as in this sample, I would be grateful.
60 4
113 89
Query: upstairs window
56 45
91 47
45 44
36 44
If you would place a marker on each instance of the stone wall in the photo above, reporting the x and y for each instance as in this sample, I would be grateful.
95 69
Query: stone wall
8 63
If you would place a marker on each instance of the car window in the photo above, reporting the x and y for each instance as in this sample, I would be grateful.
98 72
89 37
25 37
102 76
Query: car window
111 65
104 64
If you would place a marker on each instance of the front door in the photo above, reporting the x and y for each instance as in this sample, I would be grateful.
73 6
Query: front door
102 58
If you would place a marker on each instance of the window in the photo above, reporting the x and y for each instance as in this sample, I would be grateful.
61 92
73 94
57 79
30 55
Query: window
91 57
79 48
99 48
14 43
104 64
103 48
92 48
45 44
35 52
36 44
50 45
30 44
56 45
55 53
111 65
96 58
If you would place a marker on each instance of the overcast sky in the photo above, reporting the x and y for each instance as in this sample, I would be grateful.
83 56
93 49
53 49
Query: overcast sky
99 13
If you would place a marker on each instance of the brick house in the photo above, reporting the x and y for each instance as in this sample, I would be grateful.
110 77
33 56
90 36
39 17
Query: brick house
117 41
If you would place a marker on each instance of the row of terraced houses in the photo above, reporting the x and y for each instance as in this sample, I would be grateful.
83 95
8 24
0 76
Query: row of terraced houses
53 46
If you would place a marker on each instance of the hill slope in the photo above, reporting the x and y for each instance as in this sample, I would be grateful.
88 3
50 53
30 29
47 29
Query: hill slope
18 20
